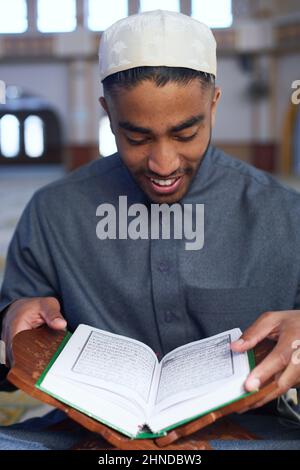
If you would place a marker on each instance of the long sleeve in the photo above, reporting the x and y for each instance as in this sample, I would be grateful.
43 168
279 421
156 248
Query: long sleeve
29 268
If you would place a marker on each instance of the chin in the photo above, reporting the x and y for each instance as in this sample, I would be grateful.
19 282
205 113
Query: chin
166 199
157 198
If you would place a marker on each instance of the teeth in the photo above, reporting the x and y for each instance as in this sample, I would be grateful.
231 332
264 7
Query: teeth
163 182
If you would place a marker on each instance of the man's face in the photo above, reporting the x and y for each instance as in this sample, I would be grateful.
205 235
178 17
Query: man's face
162 134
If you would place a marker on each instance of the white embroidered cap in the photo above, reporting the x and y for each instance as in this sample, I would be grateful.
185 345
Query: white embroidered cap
157 38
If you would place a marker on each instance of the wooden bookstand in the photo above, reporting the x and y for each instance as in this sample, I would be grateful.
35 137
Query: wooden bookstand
32 351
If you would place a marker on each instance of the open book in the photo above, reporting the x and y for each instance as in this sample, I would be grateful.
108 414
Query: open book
120 382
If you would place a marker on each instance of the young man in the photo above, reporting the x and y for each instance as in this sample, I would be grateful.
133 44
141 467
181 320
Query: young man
158 71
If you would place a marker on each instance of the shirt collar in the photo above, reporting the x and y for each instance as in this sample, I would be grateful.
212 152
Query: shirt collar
202 178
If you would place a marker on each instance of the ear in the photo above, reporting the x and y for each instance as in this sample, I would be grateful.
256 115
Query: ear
104 105
216 97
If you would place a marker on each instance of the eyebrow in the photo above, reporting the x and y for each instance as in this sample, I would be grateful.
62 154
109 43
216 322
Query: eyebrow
179 127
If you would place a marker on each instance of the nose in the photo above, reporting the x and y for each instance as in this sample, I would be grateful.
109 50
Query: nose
163 159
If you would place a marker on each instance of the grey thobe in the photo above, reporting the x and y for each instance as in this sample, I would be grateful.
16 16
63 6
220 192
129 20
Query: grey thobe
155 290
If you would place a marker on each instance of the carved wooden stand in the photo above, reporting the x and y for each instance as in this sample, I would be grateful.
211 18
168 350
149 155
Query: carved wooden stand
33 350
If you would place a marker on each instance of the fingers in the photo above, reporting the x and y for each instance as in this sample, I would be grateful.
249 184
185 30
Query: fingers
275 362
51 314
285 381
290 376
29 313
284 360
264 326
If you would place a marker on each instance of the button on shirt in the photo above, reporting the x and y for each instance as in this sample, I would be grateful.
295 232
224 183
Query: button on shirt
155 290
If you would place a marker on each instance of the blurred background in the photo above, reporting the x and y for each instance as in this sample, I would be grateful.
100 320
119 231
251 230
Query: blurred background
51 121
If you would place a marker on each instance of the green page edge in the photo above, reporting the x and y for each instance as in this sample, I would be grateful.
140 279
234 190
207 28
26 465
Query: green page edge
142 435
53 358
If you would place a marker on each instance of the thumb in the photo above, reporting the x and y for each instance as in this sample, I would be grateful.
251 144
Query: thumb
54 319
51 314
253 335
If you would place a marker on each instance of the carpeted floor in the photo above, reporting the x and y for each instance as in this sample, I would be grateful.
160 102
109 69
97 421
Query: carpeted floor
17 185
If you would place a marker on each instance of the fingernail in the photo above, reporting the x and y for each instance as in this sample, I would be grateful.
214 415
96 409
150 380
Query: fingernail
239 342
253 384
61 320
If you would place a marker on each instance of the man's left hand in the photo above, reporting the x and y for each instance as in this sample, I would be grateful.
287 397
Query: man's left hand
283 362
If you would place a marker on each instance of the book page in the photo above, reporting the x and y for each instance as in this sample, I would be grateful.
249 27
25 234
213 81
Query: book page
183 411
111 362
104 406
198 368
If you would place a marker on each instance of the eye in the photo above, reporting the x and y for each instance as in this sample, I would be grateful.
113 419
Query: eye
186 138
137 142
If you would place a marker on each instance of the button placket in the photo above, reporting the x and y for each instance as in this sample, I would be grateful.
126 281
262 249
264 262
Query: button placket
166 296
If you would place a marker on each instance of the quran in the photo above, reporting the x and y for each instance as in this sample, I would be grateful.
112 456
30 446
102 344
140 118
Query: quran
120 382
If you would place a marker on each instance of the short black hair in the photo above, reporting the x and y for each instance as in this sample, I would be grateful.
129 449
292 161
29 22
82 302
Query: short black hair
160 75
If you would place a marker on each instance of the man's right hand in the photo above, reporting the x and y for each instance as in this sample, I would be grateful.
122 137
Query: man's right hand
29 313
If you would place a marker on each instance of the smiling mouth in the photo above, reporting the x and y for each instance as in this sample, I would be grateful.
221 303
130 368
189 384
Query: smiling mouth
160 185
161 182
